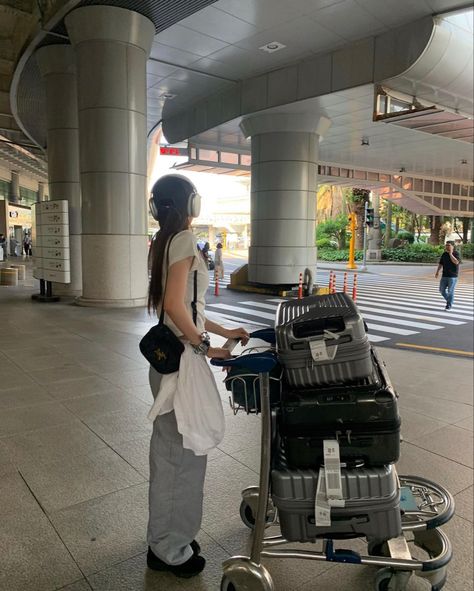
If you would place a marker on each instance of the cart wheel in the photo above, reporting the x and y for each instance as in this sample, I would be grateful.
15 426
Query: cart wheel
387 579
247 516
227 585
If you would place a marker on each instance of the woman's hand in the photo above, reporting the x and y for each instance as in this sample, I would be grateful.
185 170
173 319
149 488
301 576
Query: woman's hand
238 333
218 353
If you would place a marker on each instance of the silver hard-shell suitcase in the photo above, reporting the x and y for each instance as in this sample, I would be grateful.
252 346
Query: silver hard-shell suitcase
372 504
322 340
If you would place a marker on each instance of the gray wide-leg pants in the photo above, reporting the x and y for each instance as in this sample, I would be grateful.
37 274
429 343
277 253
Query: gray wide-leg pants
175 493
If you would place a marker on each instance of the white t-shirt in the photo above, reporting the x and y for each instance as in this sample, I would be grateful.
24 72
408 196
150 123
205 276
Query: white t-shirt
184 245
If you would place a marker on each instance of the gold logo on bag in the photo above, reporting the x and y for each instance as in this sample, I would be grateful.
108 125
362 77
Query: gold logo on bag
160 355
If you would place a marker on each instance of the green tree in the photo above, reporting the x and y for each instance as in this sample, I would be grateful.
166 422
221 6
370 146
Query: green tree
335 229
358 199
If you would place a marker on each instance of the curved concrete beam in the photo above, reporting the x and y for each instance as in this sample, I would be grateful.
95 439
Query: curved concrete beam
364 62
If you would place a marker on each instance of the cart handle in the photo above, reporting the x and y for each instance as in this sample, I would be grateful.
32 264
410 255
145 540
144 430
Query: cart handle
264 334
258 363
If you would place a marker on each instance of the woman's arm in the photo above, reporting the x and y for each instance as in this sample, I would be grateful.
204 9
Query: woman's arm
175 307
228 333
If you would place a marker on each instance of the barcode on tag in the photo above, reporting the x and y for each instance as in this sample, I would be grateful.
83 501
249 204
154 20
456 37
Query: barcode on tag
334 480
332 465
322 510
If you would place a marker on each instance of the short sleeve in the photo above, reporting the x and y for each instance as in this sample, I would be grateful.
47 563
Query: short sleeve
183 245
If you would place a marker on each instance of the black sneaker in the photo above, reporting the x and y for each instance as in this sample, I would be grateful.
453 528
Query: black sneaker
188 569
448 307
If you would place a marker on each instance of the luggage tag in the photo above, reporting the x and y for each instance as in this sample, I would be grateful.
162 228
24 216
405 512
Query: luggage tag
322 510
319 349
332 465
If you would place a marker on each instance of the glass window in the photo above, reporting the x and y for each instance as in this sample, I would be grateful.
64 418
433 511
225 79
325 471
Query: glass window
438 187
455 204
446 203
360 174
384 178
418 184
28 196
437 202
245 159
229 157
408 183
428 186
373 176
464 190
471 205
193 153
455 190
208 155
334 170
447 189
463 205
471 191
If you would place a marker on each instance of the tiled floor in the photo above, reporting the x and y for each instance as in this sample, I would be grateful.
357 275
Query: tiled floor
73 457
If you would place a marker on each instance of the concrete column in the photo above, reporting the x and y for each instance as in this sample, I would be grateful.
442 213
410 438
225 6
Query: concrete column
283 194
15 187
56 64
41 195
111 47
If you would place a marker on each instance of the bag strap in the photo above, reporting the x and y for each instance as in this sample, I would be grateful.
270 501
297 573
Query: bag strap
193 303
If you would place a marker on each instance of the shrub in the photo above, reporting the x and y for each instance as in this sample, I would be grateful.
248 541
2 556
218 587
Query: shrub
328 254
408 236
325 243
410 255
467 251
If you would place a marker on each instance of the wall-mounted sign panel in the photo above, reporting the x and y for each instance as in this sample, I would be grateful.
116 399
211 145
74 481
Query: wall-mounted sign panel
51 241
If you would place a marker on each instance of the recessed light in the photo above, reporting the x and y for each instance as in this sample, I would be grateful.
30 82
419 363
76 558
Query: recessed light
365 141
168 95
272 46
402 169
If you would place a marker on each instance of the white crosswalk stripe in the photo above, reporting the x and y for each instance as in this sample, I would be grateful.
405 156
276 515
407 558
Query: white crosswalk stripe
392 306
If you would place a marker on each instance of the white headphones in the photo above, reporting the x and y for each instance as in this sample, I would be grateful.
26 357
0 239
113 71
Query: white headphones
194 199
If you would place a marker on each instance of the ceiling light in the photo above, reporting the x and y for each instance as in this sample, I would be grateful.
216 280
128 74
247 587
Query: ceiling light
365 141
463 161
168 95
272 46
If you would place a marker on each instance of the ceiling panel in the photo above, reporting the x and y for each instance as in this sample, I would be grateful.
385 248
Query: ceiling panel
190 40
349 20
220 25
394 12
174 56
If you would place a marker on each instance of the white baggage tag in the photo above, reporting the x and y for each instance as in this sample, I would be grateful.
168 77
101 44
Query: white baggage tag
319 351
322 510
332 465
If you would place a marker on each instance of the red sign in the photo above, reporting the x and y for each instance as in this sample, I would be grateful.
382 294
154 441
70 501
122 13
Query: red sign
169 151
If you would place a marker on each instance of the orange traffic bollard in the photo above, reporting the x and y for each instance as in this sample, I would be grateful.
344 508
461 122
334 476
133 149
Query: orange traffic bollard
354 288
345 283
216 285
300 287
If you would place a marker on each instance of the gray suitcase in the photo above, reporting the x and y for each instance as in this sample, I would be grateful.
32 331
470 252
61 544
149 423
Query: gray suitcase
322 340
372 504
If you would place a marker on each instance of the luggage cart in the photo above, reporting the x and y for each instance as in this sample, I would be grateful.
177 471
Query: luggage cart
424 505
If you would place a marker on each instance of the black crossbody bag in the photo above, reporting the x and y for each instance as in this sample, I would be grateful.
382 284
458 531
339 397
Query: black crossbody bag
160 346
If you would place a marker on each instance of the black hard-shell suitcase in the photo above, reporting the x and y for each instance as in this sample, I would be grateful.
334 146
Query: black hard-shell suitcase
322 340
362 416
372 504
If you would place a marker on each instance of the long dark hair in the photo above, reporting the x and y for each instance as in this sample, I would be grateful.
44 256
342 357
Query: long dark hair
171 222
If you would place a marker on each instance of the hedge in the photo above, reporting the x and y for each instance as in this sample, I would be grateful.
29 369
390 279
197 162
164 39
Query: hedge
414 253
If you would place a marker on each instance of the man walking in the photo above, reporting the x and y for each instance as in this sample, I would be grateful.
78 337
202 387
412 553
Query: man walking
449 262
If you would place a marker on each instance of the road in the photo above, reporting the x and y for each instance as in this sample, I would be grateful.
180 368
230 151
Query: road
400 304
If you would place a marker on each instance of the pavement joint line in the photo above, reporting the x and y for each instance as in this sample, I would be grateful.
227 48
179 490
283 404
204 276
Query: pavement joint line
438 349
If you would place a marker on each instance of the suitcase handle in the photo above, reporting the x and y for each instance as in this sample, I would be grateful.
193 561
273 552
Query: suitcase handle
305 328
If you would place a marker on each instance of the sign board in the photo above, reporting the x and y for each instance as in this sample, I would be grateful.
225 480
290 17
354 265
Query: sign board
19 216
171 151
50 236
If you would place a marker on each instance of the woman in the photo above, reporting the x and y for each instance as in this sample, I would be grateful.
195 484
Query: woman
176 474
219 263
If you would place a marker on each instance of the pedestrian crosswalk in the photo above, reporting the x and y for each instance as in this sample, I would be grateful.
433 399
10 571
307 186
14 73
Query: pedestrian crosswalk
392 306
